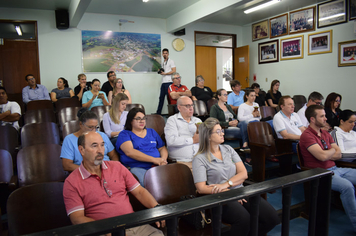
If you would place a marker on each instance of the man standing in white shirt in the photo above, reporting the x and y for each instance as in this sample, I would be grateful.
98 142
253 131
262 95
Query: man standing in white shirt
169 68
314 98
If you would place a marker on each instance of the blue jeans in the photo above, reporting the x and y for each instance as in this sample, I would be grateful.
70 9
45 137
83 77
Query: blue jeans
164 92
243 126
140 174
343 181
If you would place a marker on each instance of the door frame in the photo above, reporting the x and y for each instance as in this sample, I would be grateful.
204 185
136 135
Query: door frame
214 33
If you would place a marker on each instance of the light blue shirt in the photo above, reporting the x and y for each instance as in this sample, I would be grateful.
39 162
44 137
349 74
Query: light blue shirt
235 100
70 148
38 93
97 101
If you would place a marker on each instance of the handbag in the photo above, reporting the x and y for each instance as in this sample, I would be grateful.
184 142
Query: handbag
196 219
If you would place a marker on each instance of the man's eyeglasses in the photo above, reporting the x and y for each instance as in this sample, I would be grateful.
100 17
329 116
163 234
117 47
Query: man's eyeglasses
140 119
325 146
91 128
187 105
105 185
112 75
219 131
31 79
318 103
177 77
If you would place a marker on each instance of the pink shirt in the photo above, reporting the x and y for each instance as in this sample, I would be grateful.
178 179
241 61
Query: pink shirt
308 138
84 191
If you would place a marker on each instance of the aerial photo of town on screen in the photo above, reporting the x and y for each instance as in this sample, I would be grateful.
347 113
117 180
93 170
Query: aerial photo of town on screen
119 51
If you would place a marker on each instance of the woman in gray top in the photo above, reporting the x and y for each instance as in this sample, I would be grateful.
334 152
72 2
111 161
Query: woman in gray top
62 90
218 168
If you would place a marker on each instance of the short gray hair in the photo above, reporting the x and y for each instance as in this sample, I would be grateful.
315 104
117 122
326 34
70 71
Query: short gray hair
175 73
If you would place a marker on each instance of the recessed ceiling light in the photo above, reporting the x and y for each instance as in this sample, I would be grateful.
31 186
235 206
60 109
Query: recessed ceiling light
145 0
261 6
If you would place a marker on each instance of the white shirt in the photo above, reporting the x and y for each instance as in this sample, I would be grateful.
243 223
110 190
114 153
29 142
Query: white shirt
13 107
110 126
179 137
167 66
291 125
346 140
245 112
301 114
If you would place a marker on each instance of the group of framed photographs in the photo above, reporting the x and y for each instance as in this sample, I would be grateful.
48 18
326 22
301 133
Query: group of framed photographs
300 21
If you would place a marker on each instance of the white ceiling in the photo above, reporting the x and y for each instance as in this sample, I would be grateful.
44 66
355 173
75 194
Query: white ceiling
232 15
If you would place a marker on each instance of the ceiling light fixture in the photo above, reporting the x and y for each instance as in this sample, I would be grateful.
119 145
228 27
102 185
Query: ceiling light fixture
261 6
145 0
18 29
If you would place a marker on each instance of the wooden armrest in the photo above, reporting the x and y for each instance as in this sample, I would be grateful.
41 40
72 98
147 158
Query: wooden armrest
171 160
259 144
248 182
284 146
345 164
13 184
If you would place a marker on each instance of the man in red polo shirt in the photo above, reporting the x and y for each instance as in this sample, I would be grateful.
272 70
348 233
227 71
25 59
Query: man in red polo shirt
319 150
176 90
98 189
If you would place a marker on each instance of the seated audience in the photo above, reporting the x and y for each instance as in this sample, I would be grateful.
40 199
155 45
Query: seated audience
345 136
82 87
139 147
236 97
228 119
94 97
249 111
286 122
10 112
260 97
99 189
180 132
273 94
201 92
176 90
218 168
62 90
114 120
71 158
118 88
332 110
320 151
34 91
314 98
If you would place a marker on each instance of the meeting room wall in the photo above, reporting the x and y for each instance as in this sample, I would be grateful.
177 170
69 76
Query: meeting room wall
312 73
60 51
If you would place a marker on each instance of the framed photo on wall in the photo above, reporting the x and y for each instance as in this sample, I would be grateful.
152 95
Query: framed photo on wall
347 53
268 52
292 48
302 20
320 42
260 30
352 9
278 26
331 13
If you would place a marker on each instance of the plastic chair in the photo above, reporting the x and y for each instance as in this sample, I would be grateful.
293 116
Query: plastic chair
155 122
38 133
130 106
100 111
39 163
67 114
36 208
39 116
299 101
67 102
70 127
39 105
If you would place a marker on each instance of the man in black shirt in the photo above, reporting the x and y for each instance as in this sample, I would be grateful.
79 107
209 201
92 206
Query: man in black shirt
109 85
82 87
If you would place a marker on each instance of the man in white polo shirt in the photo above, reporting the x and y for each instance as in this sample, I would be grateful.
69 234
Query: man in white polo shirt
286 122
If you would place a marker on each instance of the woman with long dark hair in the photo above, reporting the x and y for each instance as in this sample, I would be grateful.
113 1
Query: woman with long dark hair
62 90
273 94
332 109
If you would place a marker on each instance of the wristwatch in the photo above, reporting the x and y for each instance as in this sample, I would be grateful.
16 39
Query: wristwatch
230 183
